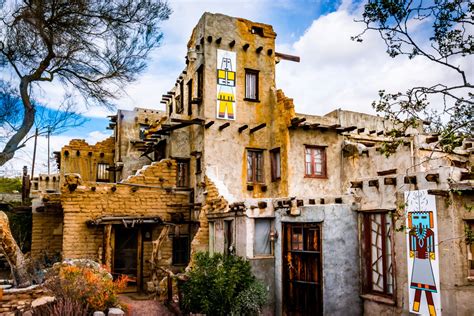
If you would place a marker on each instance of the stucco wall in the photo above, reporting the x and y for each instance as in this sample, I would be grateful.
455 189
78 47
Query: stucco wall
340 271
127 132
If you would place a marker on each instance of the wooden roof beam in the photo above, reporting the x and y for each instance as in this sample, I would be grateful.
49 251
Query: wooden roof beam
287 57
258 127
243 128
225 125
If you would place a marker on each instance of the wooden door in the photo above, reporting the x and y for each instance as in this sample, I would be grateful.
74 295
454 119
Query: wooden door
126 252
302 269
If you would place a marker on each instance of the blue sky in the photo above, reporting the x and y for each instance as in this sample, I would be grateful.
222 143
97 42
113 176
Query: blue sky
334 71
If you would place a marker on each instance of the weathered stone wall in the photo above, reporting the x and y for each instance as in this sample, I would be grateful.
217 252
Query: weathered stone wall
127 139
16 301
82 158
149 193
47 234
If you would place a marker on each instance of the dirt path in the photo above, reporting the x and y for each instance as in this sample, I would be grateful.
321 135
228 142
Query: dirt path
141 306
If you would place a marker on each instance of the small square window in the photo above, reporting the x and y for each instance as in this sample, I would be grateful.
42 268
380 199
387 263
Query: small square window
315 162
103 174
143 130
251 85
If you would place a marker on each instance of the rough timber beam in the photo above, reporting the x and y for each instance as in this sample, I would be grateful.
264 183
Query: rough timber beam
209 124
225 125
258 127
287 57
243 128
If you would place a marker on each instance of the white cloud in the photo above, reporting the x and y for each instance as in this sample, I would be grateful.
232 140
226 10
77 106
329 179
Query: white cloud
336 72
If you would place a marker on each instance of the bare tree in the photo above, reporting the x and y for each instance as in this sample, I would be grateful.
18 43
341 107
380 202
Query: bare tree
448 41
92 47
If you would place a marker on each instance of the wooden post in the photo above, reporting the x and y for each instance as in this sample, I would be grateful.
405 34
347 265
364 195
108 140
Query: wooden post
139 260
108 246
34 155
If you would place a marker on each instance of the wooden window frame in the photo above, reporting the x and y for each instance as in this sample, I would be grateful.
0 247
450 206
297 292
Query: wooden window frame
190 96
275 164
323 174
180 99
182 183
257 83
470 251
200 81
253 154
198 164
185 251
99 169
366 254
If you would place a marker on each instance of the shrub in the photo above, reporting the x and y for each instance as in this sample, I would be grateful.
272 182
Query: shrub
87 285
63 306
219 285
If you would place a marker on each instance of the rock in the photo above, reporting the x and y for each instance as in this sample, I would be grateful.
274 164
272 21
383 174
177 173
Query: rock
115 312
98 313
42 300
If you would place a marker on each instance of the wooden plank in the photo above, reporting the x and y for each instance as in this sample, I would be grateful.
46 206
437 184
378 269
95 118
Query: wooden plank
387 172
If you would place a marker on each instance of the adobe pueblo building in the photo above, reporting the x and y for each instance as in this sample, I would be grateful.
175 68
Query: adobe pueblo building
328 222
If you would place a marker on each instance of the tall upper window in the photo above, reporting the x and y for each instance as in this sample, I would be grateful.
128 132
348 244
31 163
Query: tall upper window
470 247
315 162
251 85
275 160
179 99
254 166
190 96
103 174
183 173
377 253
200 81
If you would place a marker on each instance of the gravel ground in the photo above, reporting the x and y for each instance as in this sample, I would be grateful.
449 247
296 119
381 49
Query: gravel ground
143 307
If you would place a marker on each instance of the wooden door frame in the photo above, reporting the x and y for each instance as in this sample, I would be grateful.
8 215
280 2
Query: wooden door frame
285 278
111 246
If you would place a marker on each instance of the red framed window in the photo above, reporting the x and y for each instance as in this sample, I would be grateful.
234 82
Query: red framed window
315 162
377 253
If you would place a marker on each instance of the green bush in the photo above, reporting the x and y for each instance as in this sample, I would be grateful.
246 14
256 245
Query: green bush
8 185
220 285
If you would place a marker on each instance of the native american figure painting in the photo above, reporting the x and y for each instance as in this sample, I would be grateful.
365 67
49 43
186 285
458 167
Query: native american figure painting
226 66
422 258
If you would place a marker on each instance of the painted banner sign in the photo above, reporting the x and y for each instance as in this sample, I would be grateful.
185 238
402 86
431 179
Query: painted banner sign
226 75
423 255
